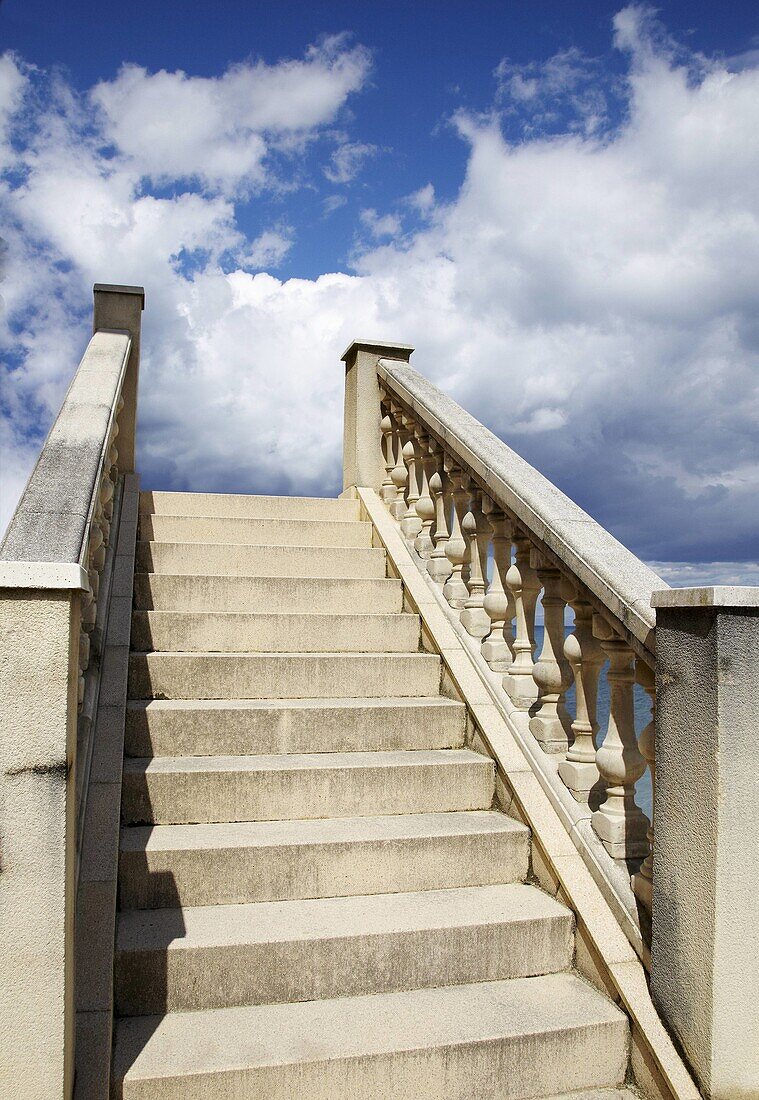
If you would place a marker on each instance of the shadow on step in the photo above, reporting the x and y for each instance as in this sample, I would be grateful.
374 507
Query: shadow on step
140 989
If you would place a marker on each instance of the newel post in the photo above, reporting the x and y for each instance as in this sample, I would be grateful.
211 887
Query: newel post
362 436
119 309
705 917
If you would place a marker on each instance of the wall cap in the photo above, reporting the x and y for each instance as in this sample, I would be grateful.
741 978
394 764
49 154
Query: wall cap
43 574
721 595
380 347
116 288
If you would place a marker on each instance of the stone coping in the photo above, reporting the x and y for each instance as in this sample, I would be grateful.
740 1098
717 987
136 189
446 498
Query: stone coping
42 574
721 595
52 518
379 347
621 582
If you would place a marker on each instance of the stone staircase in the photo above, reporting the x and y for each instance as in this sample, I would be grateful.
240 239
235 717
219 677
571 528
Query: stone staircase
318 897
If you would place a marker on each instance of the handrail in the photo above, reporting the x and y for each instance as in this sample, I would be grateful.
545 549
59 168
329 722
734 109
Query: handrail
493 537
616 577
54 594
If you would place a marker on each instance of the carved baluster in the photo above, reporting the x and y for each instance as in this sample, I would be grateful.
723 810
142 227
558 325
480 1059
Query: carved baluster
438 565
411 524
643 881
498 603
523 584
425 508
455 589
399 473
388 490
586 658
619 822
549 724
474 617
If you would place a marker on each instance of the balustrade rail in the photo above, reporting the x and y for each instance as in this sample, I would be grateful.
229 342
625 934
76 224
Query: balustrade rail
497 538
492 537
55 572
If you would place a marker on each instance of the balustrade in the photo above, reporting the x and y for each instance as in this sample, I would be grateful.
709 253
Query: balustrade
452 518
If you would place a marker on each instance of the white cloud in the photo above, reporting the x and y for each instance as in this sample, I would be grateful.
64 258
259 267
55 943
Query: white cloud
348 160
591 296
381 225
269 248
219 130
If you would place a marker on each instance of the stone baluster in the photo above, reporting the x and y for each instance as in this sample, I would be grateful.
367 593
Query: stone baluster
523 584
399 474
586 658
619 822
388 490
411 524
497 648
425 508
643 880
457 551
438 565
474 617
551 672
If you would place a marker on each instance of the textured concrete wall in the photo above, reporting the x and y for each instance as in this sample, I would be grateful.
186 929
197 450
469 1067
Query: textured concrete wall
705 935
39 636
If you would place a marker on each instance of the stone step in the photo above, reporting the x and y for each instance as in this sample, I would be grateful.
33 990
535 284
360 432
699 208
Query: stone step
282 675
255 532
227 864
244 727
217 956
241 632
181 790
503 1040
167 592
221 559
248 506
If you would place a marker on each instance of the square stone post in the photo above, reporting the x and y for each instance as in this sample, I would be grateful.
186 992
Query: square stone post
362 438
705 919
119 309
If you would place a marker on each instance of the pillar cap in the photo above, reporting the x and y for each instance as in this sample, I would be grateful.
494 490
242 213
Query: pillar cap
722 595
380 348
115 288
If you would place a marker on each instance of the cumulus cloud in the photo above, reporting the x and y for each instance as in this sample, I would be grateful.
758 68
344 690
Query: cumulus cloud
590 294
219 130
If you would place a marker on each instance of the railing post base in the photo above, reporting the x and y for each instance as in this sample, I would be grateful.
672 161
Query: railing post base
705 920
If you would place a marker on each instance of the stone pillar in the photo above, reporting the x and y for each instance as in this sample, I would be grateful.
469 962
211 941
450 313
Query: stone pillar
705 918
119 308
39 665
362 437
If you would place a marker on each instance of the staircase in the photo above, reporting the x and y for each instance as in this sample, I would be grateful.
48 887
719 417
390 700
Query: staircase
318 897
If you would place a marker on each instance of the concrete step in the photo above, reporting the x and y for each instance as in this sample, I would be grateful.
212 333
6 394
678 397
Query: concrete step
245 727
255 532
503 1040
248 506
216 956
164 592
180 790
241 632
222 559
227 864
282 675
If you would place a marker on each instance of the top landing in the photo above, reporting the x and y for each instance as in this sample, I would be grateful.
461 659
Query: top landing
248 506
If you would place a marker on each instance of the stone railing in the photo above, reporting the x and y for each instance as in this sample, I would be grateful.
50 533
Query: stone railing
55 572
493 536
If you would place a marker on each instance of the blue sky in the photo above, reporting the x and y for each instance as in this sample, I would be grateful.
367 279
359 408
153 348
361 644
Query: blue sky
554 201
